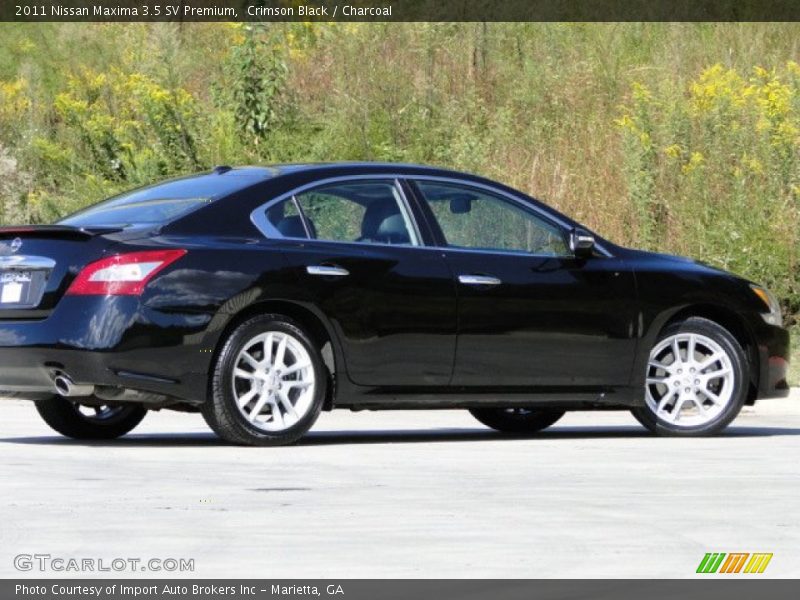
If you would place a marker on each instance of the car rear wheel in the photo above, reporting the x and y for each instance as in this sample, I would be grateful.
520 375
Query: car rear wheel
268 384
696 380
89 421
517 420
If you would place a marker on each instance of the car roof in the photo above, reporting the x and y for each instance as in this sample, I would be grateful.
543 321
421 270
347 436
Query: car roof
343 167
291 174
244 177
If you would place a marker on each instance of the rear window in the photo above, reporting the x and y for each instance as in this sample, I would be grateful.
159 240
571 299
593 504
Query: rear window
156 204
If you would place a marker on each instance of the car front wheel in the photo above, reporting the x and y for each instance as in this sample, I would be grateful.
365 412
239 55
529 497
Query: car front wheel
517 420
268 385
89 421
695 382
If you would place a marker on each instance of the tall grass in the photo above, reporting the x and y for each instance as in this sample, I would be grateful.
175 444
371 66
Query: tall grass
676 137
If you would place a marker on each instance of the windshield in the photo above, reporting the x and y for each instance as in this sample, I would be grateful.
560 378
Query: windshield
157 204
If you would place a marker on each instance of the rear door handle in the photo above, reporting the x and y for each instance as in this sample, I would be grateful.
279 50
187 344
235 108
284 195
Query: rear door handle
327 271
478 280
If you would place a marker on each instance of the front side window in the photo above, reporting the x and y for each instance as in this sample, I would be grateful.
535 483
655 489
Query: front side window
371 212
475 219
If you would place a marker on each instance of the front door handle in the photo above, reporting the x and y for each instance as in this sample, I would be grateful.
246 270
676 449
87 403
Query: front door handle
478 280
327 271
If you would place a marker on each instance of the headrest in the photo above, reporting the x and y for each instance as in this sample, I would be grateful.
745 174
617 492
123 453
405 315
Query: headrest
292 227
393 229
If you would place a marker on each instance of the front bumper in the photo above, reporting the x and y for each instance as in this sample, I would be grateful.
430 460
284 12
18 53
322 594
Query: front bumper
773 357
115 342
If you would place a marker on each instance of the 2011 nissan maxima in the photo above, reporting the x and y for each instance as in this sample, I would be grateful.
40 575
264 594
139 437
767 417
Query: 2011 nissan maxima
262 296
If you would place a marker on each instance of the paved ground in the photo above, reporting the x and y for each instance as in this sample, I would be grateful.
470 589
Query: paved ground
408 494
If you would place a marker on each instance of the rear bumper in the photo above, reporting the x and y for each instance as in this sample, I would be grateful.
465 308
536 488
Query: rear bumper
115 342
29 372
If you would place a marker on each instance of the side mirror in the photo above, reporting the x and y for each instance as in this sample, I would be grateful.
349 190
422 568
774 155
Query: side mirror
581 242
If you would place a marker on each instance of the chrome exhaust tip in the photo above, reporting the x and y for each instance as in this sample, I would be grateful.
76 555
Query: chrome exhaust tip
69 389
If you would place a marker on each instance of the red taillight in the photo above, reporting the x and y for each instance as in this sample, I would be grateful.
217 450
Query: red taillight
122 275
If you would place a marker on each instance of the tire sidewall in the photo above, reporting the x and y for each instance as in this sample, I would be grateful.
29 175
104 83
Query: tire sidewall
533 422
721 336
65 418
222 392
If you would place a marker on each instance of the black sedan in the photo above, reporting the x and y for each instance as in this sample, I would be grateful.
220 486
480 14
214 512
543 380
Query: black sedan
262 296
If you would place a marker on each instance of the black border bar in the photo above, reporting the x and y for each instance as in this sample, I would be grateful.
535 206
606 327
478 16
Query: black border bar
398 10
708 588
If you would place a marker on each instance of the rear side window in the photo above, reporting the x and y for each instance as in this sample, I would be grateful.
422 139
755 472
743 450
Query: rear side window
370 212
286 220
157 204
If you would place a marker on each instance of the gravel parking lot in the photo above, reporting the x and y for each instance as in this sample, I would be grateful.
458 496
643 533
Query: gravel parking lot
407 494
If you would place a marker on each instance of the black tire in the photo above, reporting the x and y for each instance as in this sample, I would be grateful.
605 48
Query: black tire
64 417
517 420
220 410
729 344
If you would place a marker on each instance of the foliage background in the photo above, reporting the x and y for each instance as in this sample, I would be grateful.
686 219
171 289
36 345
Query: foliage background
681 138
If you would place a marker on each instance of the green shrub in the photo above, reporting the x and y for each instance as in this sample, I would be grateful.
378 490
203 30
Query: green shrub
713 170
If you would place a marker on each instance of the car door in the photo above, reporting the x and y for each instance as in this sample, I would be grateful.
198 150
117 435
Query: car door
530 313
355 250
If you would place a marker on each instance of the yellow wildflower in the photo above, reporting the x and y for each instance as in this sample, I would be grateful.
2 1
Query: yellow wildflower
641 93
755 166
696 160
626 122
13 98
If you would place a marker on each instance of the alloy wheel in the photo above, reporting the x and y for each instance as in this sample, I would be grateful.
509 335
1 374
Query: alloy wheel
98 412
690 380
273 381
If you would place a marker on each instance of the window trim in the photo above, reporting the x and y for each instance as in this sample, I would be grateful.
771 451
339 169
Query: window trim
303 218
259 217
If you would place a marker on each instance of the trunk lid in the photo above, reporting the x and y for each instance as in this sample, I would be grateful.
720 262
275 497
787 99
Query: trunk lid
38 262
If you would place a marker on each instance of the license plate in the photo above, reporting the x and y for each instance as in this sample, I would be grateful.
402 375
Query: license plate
14 286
